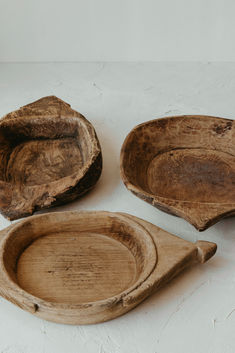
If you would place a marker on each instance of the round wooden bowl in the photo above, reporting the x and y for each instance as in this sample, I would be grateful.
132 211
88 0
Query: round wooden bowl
89 267
49 155
183 165
76 267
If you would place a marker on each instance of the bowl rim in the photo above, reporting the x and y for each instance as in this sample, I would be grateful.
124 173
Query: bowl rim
33 302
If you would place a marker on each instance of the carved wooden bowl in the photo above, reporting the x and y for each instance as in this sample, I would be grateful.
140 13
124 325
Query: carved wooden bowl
89 267
183 165
49 155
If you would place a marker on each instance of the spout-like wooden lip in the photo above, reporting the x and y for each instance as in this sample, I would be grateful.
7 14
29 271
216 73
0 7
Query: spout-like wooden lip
49 155
183 165
206 250
42 247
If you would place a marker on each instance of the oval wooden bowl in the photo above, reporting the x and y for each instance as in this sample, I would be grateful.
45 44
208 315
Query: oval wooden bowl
183 165
49 155
89 267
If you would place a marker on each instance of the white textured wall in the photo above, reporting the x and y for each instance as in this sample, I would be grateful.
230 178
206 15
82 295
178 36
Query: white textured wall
117 30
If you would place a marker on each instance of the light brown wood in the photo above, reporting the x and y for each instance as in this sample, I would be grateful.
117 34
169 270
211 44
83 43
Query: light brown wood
73 265
89 267
183 165
49 155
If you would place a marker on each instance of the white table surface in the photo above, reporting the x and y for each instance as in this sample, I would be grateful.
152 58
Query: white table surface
195 313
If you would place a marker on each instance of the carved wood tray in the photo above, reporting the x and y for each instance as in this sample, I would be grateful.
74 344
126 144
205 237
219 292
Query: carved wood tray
49 155
89 267
183 165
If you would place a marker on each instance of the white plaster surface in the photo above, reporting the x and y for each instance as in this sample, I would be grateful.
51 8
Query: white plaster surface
195 313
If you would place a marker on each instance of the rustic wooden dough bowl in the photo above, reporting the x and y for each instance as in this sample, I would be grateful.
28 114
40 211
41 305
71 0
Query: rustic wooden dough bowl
183 165
89 267
49 155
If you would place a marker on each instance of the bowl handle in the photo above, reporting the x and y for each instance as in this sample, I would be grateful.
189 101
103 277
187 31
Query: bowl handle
206 250
174 255
200 253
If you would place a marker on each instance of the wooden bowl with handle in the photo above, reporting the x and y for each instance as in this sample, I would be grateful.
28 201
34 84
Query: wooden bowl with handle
89 267
49 155
183 165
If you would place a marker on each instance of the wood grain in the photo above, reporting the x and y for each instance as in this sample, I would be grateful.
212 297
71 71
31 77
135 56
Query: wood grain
89 267
49 155
183 165
73 265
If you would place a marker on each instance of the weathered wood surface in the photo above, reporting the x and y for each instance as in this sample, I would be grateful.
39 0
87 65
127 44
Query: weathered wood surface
89 267
183 165
49 155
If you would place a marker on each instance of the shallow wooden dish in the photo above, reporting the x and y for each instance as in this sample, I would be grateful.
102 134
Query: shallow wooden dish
49 155
183 165
89 267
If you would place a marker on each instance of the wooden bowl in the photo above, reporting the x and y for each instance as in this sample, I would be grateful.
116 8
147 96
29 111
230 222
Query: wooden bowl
89 267
183 165
49 155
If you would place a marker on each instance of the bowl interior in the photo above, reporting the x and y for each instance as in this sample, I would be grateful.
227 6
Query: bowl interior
77 258
182 158
42 150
